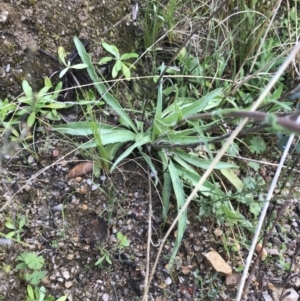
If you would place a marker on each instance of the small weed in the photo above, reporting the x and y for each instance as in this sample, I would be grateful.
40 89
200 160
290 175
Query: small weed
41 103
121 64
123 240
32 264
39 294
16 227
62 56
104 258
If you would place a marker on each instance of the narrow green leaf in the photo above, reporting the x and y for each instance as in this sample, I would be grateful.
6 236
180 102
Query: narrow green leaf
79 66
180 198
139 142
62 55
63 72
57 90
30 292
100 260
109 134
127 56
112 49
27 89
31 119
192 177
114 71
47 82
42 293
157 117
193 159
147 158
105 60
230 175
22 222
109 99
10 234
167 184
126 72
10 225
63 298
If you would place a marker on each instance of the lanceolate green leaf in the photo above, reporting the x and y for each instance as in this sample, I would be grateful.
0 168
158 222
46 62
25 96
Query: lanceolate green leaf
111 49
109 99
167 184
180 199
109 134
139 142
202 163
147 158
127 56
192 177
126 72
27 89
157 117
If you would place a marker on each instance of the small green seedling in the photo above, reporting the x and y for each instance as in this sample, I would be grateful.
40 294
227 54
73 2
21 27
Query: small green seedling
39 294
16 227
120 60
32 264
62 56
123 240
105 257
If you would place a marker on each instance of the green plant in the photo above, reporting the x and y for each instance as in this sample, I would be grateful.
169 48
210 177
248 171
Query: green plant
121 63
32 264
179 164
123 240
41 103
17 228
39 294
153 24
6 108
104 258
62 56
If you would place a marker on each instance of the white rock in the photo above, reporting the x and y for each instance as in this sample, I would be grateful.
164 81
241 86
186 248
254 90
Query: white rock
293 296
168 281
267 296
66 274
68 284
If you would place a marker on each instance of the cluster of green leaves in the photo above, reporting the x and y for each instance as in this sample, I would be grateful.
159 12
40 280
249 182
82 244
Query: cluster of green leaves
123 242
32 265
17 228
181 165
62 57
32 106
121 64
39 294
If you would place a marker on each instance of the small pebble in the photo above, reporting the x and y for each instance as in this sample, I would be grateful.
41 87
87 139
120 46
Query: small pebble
68 284
7 68
66 274
59 207
168 281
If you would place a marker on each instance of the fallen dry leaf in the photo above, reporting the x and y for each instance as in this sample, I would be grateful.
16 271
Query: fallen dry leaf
80 170
218 263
